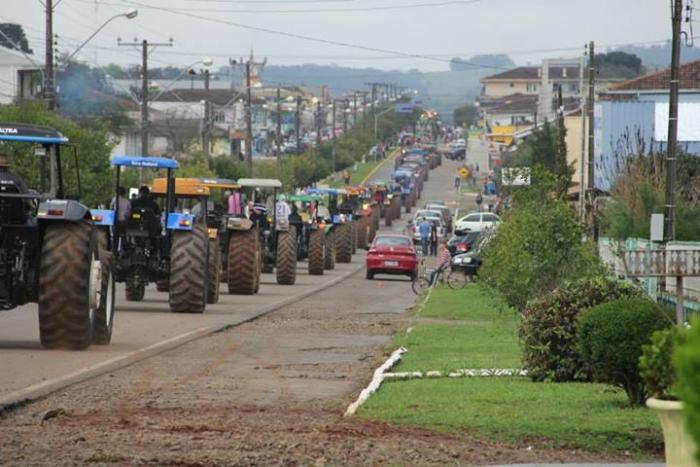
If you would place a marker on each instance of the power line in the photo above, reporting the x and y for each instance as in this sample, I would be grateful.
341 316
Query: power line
314 10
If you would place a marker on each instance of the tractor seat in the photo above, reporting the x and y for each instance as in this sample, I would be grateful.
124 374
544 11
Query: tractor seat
143 223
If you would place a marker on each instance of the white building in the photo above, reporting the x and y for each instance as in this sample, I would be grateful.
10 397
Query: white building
19 77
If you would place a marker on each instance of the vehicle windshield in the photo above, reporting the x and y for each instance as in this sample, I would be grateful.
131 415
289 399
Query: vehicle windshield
392 241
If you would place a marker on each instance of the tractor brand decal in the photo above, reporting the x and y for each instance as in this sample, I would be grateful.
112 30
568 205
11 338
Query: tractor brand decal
8 131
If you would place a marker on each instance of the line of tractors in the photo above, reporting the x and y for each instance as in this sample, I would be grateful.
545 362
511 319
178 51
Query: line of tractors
185 239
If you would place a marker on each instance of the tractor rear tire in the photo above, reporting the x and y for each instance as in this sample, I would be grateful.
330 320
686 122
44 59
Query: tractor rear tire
188 270
104 317
68 253
134 291
408 204
363 229
316 249
389 215
353 236
343 243
244 262
163 285
213 272
287 256
329 251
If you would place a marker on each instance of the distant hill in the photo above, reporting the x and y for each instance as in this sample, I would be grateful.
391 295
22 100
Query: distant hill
659 56
443 91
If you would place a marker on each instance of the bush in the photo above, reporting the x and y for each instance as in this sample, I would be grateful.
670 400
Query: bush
548 329
610 340
687 359
656 363
537 247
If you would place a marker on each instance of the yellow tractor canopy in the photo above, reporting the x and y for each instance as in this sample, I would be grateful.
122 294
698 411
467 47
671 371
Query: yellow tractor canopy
222 183
183 187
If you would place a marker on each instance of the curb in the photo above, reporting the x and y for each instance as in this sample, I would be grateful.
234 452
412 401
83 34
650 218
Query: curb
374 170
38 391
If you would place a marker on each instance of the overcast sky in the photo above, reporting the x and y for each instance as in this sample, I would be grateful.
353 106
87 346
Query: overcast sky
525 29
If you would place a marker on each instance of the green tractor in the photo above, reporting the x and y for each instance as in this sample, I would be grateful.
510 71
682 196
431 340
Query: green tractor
277 237
312 235
341 247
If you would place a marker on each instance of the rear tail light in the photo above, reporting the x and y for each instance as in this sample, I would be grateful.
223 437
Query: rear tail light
372 250
462 247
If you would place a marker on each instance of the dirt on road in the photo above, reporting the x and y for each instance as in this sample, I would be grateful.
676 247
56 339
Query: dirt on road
270 392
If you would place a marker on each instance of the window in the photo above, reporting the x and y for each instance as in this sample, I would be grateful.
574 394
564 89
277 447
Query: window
531 87
490 218
472 218
219 116
392 241
512 85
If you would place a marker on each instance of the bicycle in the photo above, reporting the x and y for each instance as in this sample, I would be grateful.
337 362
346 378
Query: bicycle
454 280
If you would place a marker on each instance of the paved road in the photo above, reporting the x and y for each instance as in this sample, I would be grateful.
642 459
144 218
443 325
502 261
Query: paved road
146 328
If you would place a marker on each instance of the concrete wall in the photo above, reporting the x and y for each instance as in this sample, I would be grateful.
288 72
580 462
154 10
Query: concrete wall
574 133
500 89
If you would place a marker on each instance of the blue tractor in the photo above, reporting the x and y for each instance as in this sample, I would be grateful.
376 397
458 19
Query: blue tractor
50 251
155 243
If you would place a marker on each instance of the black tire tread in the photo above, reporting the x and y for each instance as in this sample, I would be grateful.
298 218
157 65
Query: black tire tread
287 256
188 270
243 262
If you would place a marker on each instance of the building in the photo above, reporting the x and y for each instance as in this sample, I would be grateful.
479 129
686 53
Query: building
20 78
632 118
530 80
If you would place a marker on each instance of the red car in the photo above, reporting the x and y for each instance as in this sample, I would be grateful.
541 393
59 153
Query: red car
392 254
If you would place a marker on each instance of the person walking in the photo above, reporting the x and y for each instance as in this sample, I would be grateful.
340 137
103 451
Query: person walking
433 240
478 200
424 230
458 180
124 204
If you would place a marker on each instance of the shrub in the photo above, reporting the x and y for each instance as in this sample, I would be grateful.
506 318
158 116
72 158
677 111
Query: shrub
610 340
656 363
537 247
687 359
548 329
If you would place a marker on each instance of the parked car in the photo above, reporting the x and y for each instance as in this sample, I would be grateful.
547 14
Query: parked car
471 261
446 214
426 213
462 242
437 202
477 221
392 254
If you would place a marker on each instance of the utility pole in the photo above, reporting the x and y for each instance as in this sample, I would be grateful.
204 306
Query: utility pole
333 133
354 109
670 206
206 128
591 139
346 112
249 120
582 158
278 134
297 130
49 89
144 44
318 124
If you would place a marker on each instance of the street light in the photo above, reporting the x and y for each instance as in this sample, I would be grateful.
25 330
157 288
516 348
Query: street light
131 13
205 61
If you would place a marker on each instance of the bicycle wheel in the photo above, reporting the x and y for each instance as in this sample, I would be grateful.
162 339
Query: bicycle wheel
457 280
420 285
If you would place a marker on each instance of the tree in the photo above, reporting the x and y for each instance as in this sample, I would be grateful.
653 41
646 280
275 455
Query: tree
619 64
465 115
116 71
546 149
538 245
16 34
93 148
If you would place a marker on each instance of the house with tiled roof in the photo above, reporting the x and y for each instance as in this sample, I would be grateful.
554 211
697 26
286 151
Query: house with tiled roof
632 117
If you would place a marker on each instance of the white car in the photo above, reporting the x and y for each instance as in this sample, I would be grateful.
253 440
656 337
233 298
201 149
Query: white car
426 213
477 221
437 220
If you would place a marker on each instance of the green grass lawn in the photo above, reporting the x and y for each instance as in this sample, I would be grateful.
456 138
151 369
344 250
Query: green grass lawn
574 415
591 417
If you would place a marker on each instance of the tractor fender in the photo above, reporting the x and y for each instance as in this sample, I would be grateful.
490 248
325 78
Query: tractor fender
239 223
180 221
62 209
